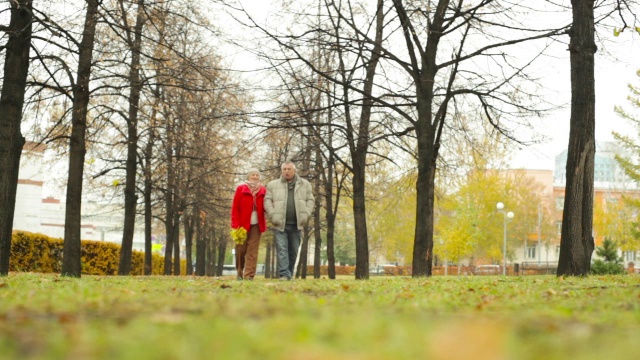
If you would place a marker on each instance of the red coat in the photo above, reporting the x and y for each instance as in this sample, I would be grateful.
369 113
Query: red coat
243 206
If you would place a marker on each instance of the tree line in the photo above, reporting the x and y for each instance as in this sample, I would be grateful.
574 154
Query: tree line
136 95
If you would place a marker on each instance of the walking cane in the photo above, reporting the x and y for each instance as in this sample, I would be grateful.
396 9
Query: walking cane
295 267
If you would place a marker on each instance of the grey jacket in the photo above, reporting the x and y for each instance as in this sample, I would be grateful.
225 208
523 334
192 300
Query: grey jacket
275 202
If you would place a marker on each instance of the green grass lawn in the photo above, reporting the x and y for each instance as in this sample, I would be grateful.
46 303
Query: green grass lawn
533 317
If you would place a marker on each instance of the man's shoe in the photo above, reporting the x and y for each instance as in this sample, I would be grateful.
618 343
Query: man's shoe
283 278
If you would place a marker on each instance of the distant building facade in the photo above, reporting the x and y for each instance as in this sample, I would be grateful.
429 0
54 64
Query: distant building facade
33 213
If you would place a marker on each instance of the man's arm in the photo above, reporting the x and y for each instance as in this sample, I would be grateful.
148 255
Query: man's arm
268 200
310 200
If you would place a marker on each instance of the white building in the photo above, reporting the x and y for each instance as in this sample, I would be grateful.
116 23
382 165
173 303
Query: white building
33 213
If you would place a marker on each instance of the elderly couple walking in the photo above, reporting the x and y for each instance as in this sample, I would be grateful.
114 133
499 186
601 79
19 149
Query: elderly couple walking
287 202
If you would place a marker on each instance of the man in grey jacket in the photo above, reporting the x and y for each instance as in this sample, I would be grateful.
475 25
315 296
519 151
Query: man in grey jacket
289 202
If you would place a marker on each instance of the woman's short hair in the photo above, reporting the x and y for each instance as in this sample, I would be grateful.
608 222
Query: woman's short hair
252 171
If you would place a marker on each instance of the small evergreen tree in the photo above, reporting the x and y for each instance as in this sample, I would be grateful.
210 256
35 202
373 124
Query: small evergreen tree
609 262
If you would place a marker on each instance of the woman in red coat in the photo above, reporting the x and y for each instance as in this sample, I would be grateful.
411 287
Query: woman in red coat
247 211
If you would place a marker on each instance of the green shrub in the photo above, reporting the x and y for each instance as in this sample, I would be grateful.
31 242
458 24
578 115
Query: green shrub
610 263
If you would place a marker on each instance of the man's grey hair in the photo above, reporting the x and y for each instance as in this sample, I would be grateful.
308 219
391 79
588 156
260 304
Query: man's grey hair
288 162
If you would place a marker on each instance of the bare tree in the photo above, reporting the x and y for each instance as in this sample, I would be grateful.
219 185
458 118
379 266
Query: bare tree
71 262
134 42
16 67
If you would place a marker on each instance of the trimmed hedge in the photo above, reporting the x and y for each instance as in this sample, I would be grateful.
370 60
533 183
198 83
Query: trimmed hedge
32 252
340 270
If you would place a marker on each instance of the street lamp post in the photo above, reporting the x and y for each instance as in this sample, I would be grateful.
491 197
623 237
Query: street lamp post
507 217
539 232
446 263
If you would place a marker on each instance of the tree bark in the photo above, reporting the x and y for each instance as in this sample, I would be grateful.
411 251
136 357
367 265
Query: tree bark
304 253
189 226
576 244
222 251
201 244
317 234
359 149
16 68
130 197
211 253
71 260
176 244
423 70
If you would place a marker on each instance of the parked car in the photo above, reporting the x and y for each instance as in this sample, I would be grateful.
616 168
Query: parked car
487 270
229 270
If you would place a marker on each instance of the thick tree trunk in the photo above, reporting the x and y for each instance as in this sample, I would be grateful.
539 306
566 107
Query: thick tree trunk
423 241
360 220
71 260
576 245
16 67
424 69
130 197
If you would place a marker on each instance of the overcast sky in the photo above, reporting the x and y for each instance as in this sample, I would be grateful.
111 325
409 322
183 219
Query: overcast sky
617 62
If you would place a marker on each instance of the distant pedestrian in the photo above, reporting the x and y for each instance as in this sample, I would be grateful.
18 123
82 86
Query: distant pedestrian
289 203
248 223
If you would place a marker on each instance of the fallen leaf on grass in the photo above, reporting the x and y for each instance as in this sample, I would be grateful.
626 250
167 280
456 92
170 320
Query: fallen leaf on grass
464 340
225 286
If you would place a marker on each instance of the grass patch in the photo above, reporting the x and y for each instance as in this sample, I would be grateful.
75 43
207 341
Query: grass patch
491 317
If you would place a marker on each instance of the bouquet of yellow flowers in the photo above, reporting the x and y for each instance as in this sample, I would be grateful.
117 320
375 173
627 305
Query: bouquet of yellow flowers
239 235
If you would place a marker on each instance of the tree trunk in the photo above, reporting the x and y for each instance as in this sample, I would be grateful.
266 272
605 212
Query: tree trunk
211 254
576 245
71 260
189 226
130 197
304 253
360 220
148 209
316 218
148 248
176 244
424 69
330 217
267 261
201 244
16 67
222 251
359 149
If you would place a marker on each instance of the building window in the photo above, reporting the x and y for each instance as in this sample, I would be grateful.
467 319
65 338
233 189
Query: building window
629 256
560 203
531 252
559 227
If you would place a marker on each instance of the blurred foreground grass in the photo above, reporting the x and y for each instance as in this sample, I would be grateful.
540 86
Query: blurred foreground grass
544 317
